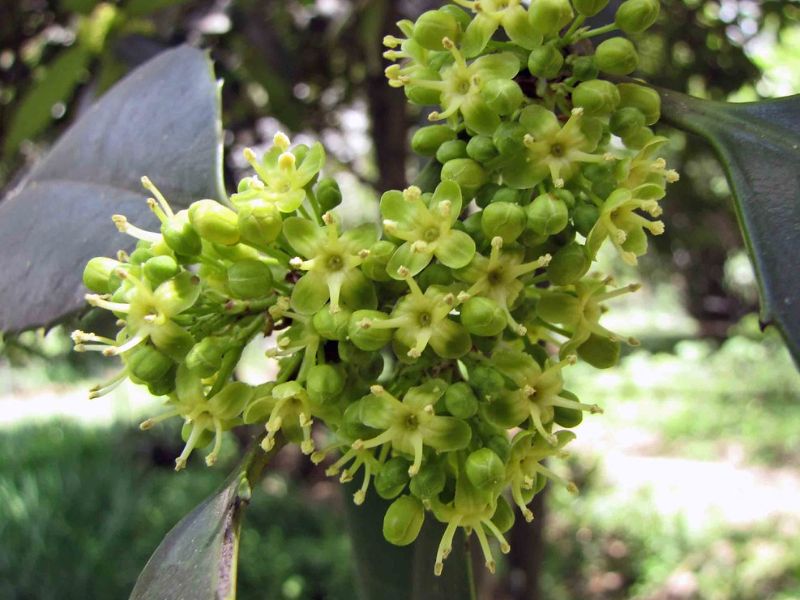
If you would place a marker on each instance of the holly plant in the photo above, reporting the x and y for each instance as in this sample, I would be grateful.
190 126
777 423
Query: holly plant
424 359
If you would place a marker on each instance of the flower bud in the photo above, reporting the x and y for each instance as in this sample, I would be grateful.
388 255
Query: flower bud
329 196
466 173
403 521
545 61
366 337
639 138
324 383
142 254
548 17
433 26
487 381
508 138
259 224
332 326
568 264
435 274
503 516
600 352
146 363
547 215
160 268
459 14
484 469
178 294
584 68
205 357
500 445
597 97
230 401
214 222
503 219
635 16
643 98
483 316
352 426
616 56
179 235
451 150
428 482
625 122
249 279
558 308
392 478
460 400
502 96
481 148
374 266
567 417
98 272
420 94
584 217
589 8
426 140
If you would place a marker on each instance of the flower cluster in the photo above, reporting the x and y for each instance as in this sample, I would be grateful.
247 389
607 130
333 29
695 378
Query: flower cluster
432 346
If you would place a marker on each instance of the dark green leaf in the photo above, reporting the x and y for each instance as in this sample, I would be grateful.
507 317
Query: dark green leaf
759 146
198 557
161 121
140 8
387 572
34 112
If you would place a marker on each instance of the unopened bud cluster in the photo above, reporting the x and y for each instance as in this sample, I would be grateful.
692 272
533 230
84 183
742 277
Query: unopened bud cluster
432 346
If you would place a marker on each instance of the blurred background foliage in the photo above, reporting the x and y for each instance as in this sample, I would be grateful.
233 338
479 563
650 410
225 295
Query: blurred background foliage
84 498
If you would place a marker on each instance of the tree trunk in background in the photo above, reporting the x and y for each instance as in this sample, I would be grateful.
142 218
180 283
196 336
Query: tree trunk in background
527 553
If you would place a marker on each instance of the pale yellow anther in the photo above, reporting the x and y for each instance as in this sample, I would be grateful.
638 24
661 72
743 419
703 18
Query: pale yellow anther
463 297
632 341
545 259
282 141
429 409
296 262
608 157
657 228
391 41
558 182
359 497
497 242
121 222
528 390
447 43
434 116
249 155
414 353
363 254
572 488
328 218
365 323
307 447
317 457
572 359
419 246
403 272
445 207
146 424
412 193
527 515
577 111
377 390
672 176
449 299
286 161
528 140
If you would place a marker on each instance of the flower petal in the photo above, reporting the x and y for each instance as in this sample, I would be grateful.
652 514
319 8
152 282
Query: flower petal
455 249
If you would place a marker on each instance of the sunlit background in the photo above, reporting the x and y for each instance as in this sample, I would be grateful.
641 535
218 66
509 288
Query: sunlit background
690 481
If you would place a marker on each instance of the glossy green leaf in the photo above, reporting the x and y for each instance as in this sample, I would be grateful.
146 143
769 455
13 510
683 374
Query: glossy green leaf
759 146
58 82
162 121
197 559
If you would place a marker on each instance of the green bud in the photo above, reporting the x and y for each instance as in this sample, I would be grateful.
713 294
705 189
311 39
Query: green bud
332 326
179 235
178 294
435 275
487 381
484 195
500 445
403 521
392 478
502 96
249 279
483 316
428 482
460 400
459 14
625 122
374 266
98 272
324 383
142 254
174 342
503 516
635 16
616 56
259 224
466 173
589 8
600 352
547 215
643 98
433 26
205 357
639 138
423 95
481 148
426 140
163 386
160 268
548 17
146 363
329 196
568 264
472 225
584 217
584 68
545 61
508 138
352 425
567 417
230 401
484 469
214 222
451 150
366 337
597 97
503 219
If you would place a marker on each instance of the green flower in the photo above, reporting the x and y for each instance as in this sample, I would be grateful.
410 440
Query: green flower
421 318
625 227
538 392
204 415
331 263
289 410
412 424
645 167
524 466
281 178
498 278
426 228
491 14
550 149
